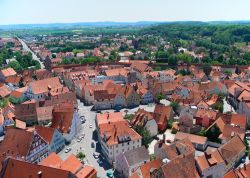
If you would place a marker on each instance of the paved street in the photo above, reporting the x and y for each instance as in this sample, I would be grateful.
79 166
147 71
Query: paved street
85 144
91 136
26 48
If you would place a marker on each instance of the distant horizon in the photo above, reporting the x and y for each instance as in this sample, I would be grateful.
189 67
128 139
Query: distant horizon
140 21
127 22
16 12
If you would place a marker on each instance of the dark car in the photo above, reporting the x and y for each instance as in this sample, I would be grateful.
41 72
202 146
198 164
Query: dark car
93 145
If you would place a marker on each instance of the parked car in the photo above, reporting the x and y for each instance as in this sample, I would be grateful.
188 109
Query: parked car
90 125
79 140
82 136
83 120
99 161
67 150
110 174
96 155
93 145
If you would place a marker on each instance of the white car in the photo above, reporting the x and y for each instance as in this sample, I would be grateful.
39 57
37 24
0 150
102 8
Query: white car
96 155
79 140
90 125
67 150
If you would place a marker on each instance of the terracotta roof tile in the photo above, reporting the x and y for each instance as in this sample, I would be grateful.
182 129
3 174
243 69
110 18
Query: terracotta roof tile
45 132
62 117
115 132
232 148
25 170
53 160
145 170
16 142
4 91
208 160
193 138
13 79
41 86
239 172
182 166
8 72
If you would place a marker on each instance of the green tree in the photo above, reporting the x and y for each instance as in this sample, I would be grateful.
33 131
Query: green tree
202 132
213 134
3 102
172 61
145 134
15 65
80 155
160 96
207 69
170 123
129 117
184 57
218 106
175 106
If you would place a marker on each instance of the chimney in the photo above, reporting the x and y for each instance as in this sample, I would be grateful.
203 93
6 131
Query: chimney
164 138
39 174
245 167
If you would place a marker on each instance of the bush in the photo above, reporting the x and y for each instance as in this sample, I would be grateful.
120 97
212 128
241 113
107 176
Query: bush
170 123
160 97
175 106
145 134
129 117
152 157
80 155
218 106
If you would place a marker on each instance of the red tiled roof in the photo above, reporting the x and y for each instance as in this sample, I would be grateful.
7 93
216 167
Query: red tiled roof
16 94
182 166
144 171
13 79
45 132
8 72
117 72
4 91
239 119
71 164
53 160
41 86
20 124
193 138
111 132
16 142
25 170
209 159
109 117
239 172
232 149
62 117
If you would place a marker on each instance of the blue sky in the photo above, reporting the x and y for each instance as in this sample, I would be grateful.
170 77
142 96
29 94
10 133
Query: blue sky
53 11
